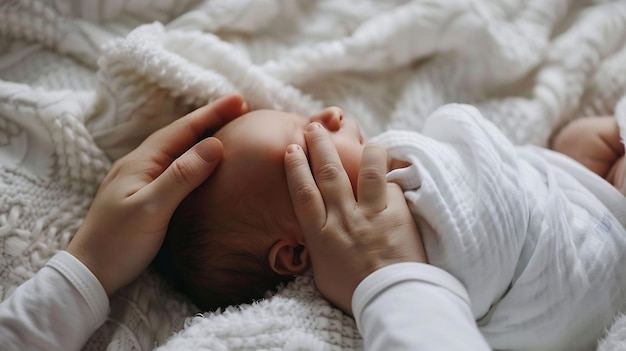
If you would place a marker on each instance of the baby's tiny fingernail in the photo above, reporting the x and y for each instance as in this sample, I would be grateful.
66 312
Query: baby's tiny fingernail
292 148
313 126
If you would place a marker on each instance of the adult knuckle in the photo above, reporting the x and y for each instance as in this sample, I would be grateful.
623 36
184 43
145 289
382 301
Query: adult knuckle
328 172
139 207
371 174
296 162
304 194
182 172
316 137
377 150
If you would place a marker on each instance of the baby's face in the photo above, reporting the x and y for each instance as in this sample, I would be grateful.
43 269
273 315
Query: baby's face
252 175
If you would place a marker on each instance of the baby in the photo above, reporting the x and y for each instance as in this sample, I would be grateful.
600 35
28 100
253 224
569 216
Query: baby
537 239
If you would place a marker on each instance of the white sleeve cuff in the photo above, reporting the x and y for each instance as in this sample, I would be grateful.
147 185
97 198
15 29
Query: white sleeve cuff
393 274
85 283
414 306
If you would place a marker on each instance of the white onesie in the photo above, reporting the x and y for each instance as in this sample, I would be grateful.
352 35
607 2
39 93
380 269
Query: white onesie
527 231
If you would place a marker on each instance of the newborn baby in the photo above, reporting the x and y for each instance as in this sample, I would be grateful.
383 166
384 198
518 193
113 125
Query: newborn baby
536 238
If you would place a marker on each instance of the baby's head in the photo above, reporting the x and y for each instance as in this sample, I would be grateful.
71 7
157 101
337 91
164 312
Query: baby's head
236 236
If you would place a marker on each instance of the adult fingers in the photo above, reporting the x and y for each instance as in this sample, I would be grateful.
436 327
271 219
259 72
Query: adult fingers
174 139
372 183
183 175
330 176
308 203
395 195
413 249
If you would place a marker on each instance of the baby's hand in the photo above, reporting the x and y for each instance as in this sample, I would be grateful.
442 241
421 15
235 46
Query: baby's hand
594 142
128 218
348 240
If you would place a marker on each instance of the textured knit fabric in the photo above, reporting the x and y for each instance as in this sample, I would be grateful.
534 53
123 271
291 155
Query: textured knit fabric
83 82
540 254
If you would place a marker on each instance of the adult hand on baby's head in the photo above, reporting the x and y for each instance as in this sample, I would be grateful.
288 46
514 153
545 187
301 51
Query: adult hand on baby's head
347 239
128 219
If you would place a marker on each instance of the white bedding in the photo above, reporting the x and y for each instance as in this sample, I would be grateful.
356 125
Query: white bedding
82 82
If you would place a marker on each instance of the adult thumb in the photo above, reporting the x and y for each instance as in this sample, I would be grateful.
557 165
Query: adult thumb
186 173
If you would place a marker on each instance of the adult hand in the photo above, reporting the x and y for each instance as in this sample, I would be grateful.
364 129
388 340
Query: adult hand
348 239
128 219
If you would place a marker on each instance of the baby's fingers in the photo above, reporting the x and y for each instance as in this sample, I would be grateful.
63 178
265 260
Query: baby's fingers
372 184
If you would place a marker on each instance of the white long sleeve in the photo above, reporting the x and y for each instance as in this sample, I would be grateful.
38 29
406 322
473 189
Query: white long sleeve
414 306
58 309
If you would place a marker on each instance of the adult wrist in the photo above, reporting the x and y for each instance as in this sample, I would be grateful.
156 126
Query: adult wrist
388 276
84 281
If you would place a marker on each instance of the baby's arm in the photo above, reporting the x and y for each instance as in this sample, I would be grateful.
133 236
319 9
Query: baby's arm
594 142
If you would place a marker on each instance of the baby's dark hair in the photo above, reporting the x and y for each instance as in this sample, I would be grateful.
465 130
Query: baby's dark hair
218 261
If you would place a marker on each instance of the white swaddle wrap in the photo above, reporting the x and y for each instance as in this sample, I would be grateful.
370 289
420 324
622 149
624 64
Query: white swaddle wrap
540 255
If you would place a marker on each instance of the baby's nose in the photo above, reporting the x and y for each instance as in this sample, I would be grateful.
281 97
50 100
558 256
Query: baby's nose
330 118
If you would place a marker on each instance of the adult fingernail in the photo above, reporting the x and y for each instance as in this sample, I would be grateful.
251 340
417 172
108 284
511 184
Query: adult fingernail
292 148
209 149
314 125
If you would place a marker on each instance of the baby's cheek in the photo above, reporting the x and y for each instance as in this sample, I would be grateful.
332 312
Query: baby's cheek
351 160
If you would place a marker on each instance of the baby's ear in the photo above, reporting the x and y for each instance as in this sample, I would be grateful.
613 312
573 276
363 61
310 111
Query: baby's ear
288 257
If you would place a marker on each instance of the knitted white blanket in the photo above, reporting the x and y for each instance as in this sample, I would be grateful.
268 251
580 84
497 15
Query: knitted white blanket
83 82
